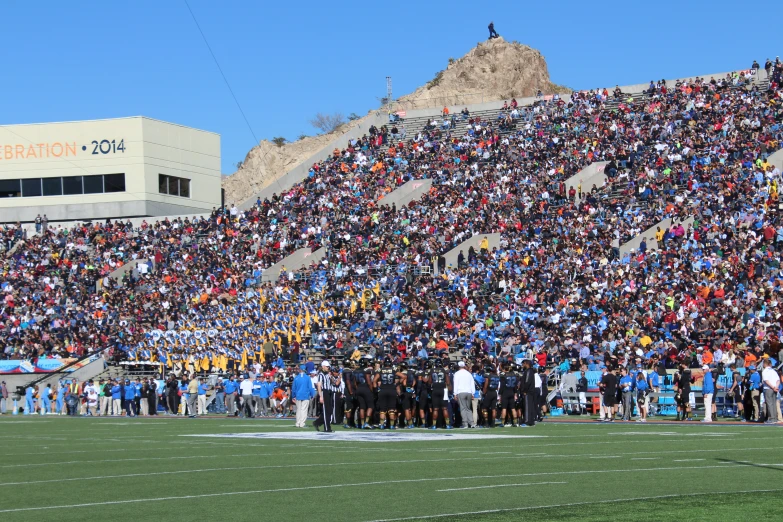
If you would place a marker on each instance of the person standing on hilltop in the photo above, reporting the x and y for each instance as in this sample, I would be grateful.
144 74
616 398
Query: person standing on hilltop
492 32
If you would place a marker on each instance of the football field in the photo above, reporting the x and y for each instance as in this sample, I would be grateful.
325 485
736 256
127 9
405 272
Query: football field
56 468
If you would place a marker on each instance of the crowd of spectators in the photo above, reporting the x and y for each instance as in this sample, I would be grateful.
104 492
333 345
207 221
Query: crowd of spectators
556 286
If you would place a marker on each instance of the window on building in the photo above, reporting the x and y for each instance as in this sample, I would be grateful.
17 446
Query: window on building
52 186
65 186
31 187
173 186
10 188
114 182
93 184
72 185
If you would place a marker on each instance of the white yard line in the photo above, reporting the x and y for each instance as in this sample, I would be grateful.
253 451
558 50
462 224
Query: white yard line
687 460
330 486
573 504
240 468
500 486
518 456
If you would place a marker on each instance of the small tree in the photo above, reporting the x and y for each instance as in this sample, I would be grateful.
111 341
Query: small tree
353 116
239 165
327 123
302 136
279 141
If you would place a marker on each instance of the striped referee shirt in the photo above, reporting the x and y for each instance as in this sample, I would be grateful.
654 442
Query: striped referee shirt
325 379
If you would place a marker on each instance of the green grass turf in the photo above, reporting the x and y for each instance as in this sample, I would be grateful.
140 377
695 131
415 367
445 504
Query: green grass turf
134 469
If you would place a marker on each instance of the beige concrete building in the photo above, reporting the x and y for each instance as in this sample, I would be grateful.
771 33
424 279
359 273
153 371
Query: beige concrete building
118 168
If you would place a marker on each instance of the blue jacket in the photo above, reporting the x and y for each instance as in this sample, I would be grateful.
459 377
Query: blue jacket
708 384
258 385
302 389
266 390
626 383
130 392
231 387
115 392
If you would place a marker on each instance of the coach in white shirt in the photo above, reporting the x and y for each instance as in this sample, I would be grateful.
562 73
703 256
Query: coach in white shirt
771 381
464 388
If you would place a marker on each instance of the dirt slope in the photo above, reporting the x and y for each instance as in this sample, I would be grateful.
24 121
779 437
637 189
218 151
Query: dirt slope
493 70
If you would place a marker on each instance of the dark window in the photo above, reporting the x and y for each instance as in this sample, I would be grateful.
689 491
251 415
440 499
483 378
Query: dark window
114 182
31 187
93 184
72 185
184 187
173 186
52 187
10 188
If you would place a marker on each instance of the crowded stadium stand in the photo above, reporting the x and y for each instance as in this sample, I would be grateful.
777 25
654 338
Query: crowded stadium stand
537 195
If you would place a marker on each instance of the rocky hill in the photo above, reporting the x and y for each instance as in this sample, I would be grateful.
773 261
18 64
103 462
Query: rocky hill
493 70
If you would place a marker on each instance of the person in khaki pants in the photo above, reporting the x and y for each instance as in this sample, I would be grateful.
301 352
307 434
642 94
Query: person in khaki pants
144 405
302 392
202 397
105 394
192 395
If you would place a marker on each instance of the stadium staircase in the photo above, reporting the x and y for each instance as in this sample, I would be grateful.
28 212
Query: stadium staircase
87 371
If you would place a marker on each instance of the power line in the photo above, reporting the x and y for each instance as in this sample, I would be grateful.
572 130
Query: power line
221 72
257 141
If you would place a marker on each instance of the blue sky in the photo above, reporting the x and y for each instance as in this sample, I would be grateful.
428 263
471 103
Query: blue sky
89 59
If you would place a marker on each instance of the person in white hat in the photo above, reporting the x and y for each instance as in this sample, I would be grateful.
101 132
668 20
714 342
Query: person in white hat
464 388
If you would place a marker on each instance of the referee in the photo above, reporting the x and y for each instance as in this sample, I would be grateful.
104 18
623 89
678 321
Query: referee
328 385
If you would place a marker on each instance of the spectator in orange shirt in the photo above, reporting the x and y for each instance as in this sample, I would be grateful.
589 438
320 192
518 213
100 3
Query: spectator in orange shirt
278 401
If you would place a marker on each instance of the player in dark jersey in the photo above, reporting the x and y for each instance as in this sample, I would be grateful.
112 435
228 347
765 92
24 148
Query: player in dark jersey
422 395
509 383
362 388
348 405
489 405
441 382
407 378
388 390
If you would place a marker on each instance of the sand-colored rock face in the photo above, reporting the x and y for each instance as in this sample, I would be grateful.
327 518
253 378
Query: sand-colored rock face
493 70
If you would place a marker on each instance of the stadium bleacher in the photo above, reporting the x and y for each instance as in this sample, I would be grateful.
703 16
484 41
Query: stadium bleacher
681 150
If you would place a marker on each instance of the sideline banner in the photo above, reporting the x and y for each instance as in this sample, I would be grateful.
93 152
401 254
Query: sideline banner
42 365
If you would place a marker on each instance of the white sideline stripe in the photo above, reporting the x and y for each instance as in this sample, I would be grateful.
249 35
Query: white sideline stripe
239 468
331 486
517 456
687 460
500 486
573 504
607 457
27 445
645 458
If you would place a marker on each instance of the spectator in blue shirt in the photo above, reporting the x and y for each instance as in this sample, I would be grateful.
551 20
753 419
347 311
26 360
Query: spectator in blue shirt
654 383
116 398
302 391
202 397
754 386
258 384
626 387
130 396
231 395
642 390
